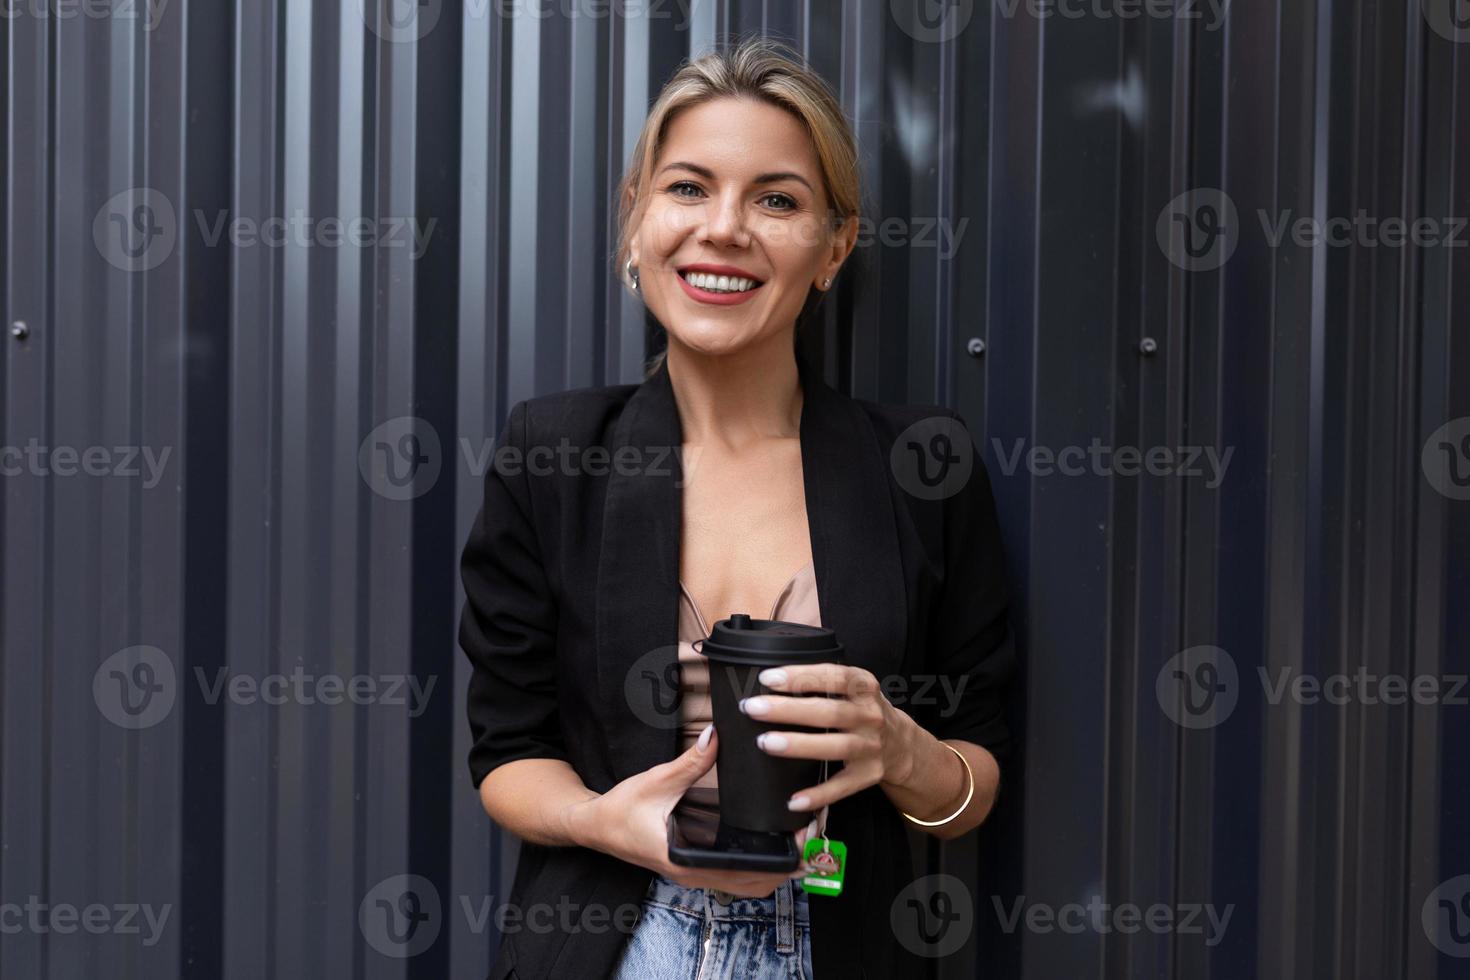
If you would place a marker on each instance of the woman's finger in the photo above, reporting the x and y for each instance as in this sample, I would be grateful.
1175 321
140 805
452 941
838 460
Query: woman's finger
850 682
832 746
815 712
844 784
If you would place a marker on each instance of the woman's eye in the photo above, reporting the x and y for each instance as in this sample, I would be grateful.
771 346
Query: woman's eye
779 201
678 189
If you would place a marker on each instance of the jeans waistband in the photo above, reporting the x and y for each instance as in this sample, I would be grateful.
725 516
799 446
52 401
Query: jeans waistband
788 904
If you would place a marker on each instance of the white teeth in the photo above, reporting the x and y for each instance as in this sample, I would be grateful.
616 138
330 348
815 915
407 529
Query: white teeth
719 284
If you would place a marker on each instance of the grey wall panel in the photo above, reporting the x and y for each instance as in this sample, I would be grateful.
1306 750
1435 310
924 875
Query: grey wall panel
306 390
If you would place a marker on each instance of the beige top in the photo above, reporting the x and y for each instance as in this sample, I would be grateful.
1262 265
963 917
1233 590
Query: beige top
699 810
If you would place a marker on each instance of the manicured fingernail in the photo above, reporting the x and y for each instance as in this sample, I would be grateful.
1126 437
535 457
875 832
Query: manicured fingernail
703 742
798 803
773 677
755 706
771 741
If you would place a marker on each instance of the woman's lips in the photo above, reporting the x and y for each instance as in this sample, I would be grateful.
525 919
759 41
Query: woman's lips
714 299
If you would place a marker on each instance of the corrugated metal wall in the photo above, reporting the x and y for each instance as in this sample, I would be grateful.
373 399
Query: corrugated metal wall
202 413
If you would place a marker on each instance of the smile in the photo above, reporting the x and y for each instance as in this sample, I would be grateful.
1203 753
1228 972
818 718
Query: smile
717 290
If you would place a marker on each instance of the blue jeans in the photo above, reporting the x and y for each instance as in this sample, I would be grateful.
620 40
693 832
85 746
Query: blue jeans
687 933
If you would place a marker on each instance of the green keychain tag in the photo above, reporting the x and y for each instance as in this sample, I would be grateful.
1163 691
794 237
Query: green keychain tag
825 862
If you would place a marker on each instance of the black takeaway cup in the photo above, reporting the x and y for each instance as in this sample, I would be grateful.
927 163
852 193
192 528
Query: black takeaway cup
754 785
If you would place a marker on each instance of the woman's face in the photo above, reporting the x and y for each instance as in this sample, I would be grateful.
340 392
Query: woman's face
737 227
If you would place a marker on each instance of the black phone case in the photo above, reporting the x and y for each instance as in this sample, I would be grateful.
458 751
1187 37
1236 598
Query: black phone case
736 851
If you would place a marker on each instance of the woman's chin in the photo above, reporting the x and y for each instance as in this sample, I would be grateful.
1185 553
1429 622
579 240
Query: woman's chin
712 340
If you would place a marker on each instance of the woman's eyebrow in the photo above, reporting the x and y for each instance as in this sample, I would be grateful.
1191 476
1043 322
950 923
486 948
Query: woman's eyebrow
709 174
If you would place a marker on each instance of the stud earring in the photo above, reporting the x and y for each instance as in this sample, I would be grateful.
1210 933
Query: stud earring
632 275
826 283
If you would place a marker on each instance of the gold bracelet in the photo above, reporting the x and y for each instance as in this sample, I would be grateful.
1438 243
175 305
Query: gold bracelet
968 796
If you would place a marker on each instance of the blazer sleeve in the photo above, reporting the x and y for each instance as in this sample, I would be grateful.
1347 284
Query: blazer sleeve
508 627
971 644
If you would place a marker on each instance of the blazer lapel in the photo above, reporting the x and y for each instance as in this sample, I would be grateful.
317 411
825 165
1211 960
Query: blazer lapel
854 543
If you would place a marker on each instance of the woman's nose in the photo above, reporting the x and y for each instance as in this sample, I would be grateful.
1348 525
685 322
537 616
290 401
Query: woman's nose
725 222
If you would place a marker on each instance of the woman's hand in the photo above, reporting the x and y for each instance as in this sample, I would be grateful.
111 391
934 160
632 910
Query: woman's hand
873 740
630 822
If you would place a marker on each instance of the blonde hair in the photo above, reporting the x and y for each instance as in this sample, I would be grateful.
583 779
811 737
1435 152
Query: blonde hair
755 68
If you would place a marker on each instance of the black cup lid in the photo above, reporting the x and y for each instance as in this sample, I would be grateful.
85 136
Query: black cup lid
767 642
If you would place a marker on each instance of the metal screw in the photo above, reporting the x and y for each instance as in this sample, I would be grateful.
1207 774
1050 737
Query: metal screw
976 347
19 330
1148 347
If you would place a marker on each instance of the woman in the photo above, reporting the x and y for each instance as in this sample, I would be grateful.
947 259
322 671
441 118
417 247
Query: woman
587 576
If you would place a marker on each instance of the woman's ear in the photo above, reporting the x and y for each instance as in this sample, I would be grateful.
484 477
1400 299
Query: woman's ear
844 240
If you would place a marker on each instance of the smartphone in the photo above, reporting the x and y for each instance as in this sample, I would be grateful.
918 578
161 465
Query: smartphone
735 850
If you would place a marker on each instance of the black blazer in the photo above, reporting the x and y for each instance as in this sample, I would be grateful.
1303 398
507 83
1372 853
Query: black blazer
571 573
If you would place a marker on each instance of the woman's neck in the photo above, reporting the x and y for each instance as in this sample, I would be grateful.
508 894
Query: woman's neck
735 399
